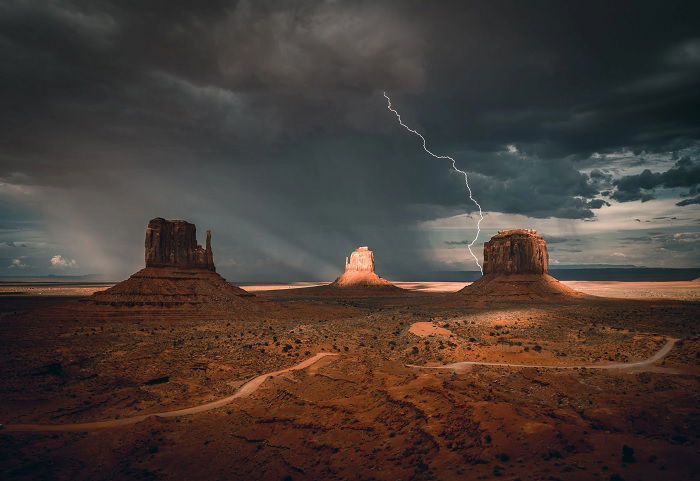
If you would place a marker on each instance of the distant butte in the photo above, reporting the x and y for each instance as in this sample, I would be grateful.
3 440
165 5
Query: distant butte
358 280
173 243
516 265
359 271
178 282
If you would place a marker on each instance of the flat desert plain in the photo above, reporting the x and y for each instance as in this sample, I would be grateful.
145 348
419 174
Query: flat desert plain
417 385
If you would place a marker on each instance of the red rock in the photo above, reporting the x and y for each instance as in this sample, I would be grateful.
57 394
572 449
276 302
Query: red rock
361 260
173 243
178 282
516 251
516 263
359 271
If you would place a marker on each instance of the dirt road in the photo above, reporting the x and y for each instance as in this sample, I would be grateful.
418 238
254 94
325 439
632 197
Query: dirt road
245 390
617 365
252 385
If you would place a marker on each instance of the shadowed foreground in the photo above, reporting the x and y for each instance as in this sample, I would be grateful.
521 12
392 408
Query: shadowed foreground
365 413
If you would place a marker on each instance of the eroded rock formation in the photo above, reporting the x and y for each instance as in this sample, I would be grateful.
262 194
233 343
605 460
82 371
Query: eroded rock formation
516 263
361 260
173 243
516 251
359 271
178 282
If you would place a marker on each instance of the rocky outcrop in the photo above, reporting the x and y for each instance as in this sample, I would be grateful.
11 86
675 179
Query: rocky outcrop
361 260
178 282
168 287
516 251
359 271
516 263
173 243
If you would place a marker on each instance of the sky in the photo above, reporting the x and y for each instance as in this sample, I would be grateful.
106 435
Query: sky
265 122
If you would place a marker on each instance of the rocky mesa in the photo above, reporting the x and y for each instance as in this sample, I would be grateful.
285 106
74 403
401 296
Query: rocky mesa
516 264
173 243
516 251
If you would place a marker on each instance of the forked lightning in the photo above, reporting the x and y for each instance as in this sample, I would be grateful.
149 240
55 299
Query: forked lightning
454 166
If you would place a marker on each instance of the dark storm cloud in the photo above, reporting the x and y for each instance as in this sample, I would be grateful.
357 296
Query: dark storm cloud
458 243
564 249
312 45
682 242
690 201
13 244
268 116
636 240
685 173
549 238
679 242
558 240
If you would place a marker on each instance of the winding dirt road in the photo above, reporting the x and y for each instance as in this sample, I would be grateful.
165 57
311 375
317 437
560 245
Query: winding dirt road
252 385
245 390
616 365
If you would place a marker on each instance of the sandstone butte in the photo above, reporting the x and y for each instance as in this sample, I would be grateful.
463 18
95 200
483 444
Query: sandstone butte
359 272
178 282
173 243
516 265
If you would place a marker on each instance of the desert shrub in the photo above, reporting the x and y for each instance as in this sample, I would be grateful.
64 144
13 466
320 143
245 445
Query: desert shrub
628 454
503 457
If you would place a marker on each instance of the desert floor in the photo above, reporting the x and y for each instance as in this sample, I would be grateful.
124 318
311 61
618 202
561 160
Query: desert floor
376 408
679 290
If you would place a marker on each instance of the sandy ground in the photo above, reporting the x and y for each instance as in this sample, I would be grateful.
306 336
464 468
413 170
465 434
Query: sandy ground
414 286
57 289
272 287
426 329
680 290
420 329
365 413
245 390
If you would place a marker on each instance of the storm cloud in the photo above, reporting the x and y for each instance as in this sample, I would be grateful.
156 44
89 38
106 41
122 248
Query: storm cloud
685 173
265 121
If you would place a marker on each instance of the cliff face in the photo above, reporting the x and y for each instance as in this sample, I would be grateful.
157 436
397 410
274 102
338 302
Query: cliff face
359 271
361 260
515 269
179 280
516 251
174 244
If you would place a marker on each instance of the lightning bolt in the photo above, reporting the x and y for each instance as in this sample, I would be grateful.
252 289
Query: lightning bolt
454 167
